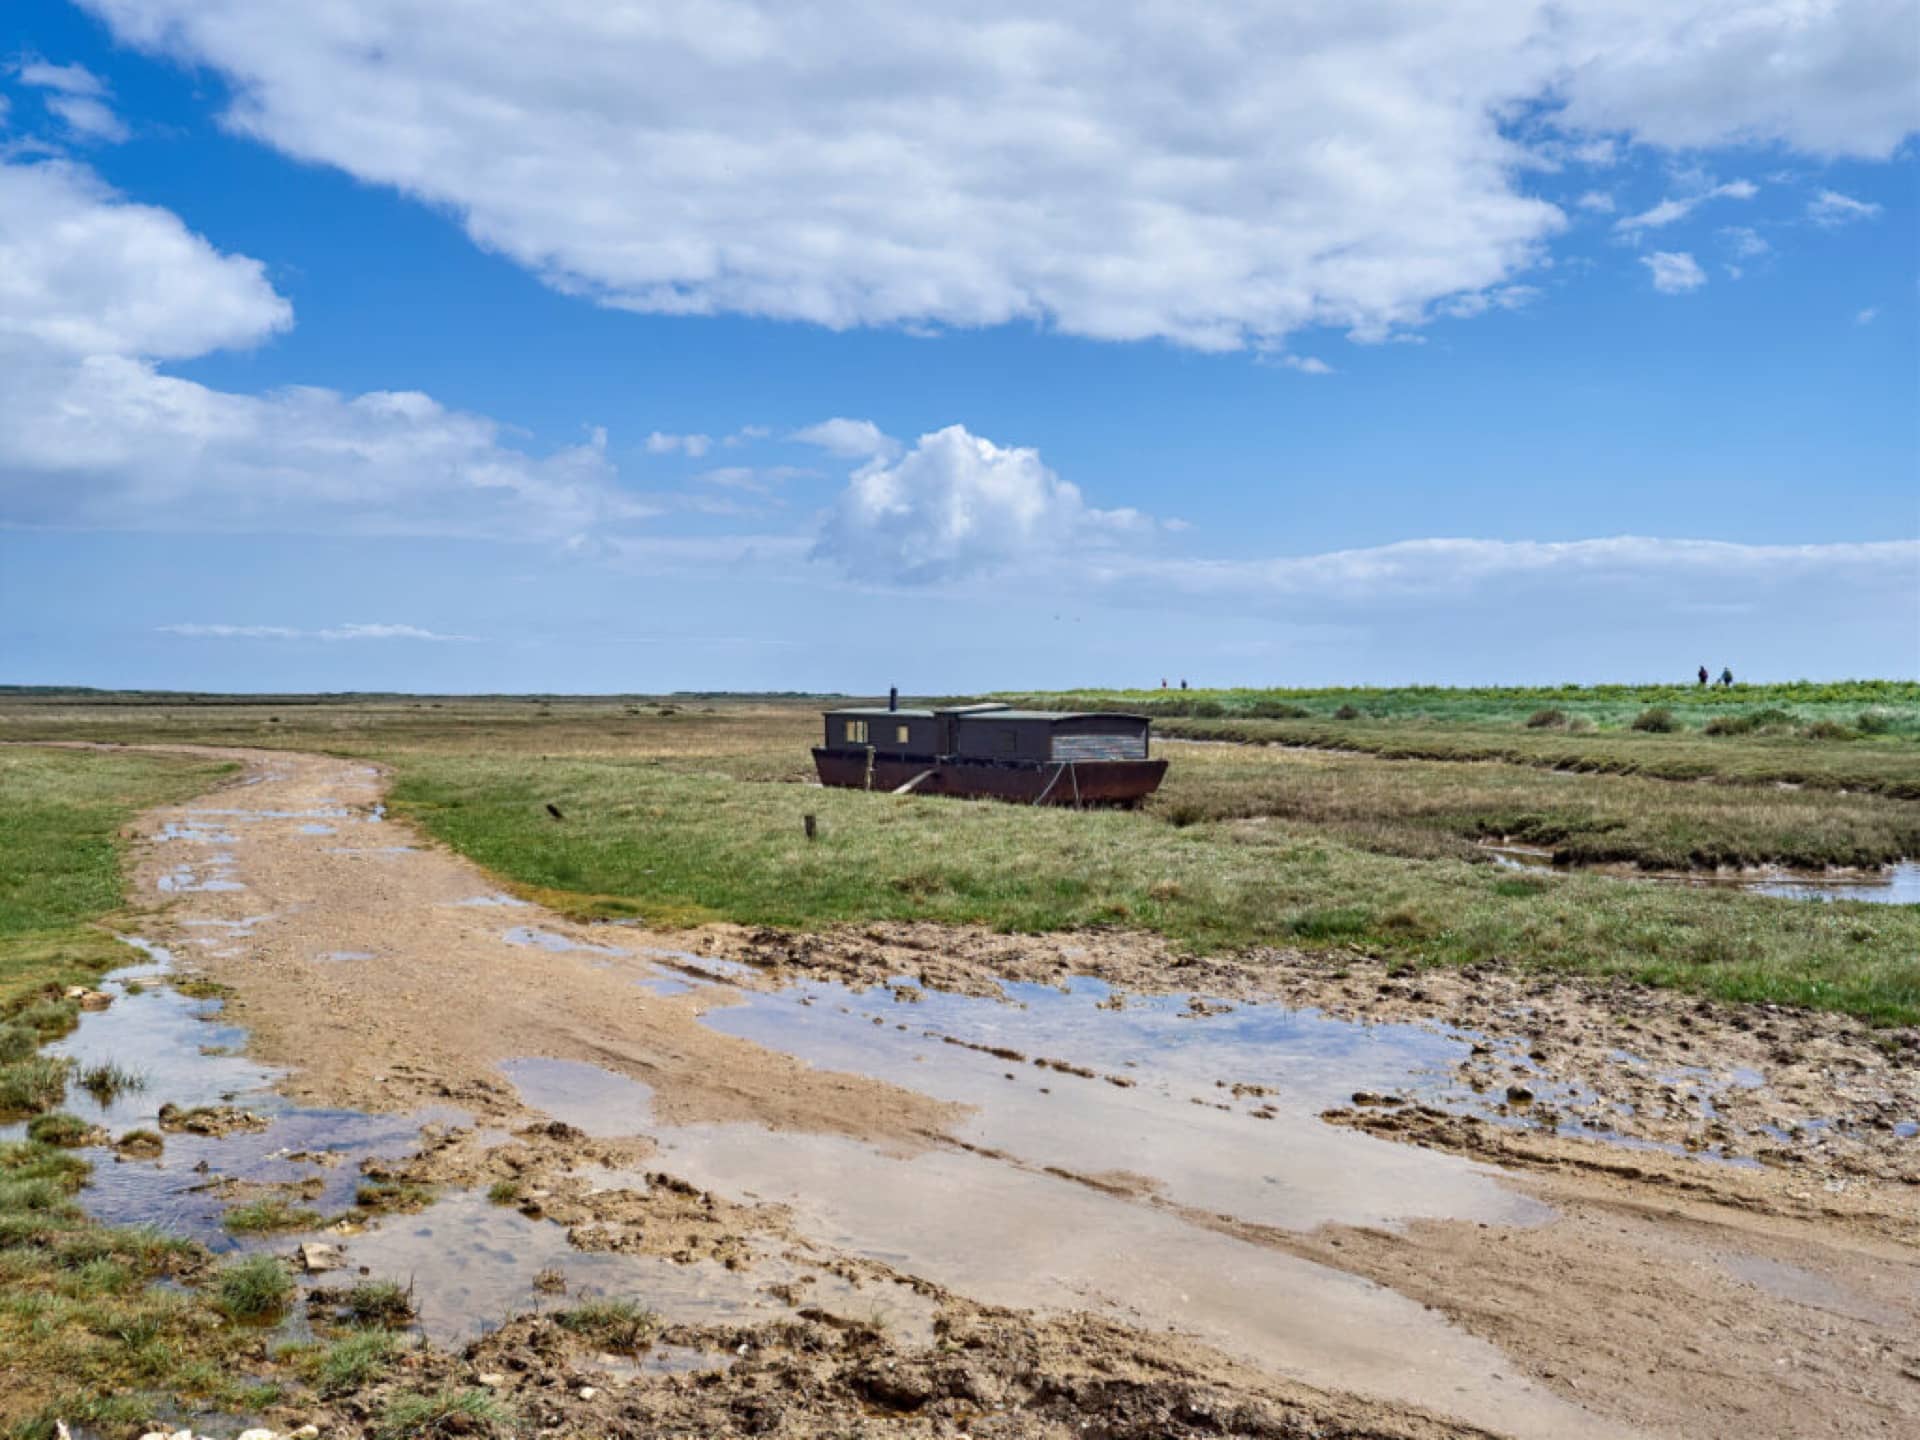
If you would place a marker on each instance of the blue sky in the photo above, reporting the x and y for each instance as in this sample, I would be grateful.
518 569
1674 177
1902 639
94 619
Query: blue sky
711 349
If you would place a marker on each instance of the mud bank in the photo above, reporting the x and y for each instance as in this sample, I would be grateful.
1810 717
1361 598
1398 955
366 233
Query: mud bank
1062 1214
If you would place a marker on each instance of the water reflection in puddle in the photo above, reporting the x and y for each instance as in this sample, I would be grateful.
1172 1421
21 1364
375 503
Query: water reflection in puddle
189 1058
557 943
474 1264
1022 1236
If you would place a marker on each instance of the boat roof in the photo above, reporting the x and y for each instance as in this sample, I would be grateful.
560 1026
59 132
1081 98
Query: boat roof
1050 716
882 710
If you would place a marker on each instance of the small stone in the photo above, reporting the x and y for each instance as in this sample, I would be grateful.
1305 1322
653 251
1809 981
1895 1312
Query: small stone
259 1434
586 1392
305 1432
317 1256
493 1379
1519 1095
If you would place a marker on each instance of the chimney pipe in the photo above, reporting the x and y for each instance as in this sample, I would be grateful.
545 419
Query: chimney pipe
893 698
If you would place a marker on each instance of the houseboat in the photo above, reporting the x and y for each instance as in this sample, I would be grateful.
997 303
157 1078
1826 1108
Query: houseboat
1031 757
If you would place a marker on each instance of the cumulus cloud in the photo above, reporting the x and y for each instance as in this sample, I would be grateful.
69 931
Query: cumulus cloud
1305 364
659 443
1599 202
1745 241
1215 174
332 632
1831 208
96 290
1674 272
955 506
78 98
849 439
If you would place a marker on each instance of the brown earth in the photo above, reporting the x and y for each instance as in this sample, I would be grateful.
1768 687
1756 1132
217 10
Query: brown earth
1669 1294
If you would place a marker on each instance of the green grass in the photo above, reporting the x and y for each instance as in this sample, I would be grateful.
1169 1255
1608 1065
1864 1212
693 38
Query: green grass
351 1362
268 1214
380 1304
1614 706
29 1086
675 844
107 1081
60 1129
428 1415
60 863
613 1323
256 1288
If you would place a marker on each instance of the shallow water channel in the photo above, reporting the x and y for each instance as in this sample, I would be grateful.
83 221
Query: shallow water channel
1896 884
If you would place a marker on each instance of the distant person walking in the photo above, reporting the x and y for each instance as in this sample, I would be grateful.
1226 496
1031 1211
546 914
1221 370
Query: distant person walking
1703 675
1726 677
1183 682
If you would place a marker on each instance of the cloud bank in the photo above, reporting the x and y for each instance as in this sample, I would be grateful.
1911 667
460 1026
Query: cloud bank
96 290
1214 174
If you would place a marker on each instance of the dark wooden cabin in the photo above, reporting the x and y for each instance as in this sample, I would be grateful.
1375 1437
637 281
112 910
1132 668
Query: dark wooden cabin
1039 756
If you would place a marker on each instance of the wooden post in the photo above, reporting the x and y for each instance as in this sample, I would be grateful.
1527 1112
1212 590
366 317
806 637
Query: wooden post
811 824
869 767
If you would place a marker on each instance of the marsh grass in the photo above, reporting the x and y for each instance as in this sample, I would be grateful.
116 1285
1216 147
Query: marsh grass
615 1324
429 1415
352 1362
1375 858
61 1129
253 1289
107 1081
380 1304
268 1214
29 1086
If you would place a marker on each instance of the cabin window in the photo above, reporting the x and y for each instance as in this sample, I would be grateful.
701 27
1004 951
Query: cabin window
902 733
856 732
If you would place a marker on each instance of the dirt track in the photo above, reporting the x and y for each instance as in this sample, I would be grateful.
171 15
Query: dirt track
1660 1294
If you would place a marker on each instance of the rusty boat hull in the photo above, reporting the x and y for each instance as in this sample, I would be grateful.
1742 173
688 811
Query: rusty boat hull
1123 783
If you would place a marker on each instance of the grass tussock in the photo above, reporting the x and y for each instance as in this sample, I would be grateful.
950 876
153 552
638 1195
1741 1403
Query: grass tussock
269 1214
613 1324
107 1081
61 1129
429 1415
351 1363
39 1082
256 1288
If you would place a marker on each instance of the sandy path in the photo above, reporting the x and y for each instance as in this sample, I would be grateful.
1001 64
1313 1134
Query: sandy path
1622 1316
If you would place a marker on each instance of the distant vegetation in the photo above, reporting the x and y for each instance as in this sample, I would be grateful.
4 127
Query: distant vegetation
1364 840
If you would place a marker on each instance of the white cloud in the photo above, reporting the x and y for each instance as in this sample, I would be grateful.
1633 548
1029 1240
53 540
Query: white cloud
1679 207
1505 297
1215 174
1674 272
334 632
659 443
849 439
1305 364
1867 316
1598 202
1745 241
955 506
1831 208
94 290
77 97
83 272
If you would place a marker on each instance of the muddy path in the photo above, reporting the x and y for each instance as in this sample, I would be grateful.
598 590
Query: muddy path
1118 1180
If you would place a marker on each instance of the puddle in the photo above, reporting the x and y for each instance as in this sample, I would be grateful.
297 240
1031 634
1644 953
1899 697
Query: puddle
1019 1236
1804 1287
473 1265
244 817
371 849
557 943
347 955
215 873
193 834
315 828
1897 884
1062 1078
189 1057
481 901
